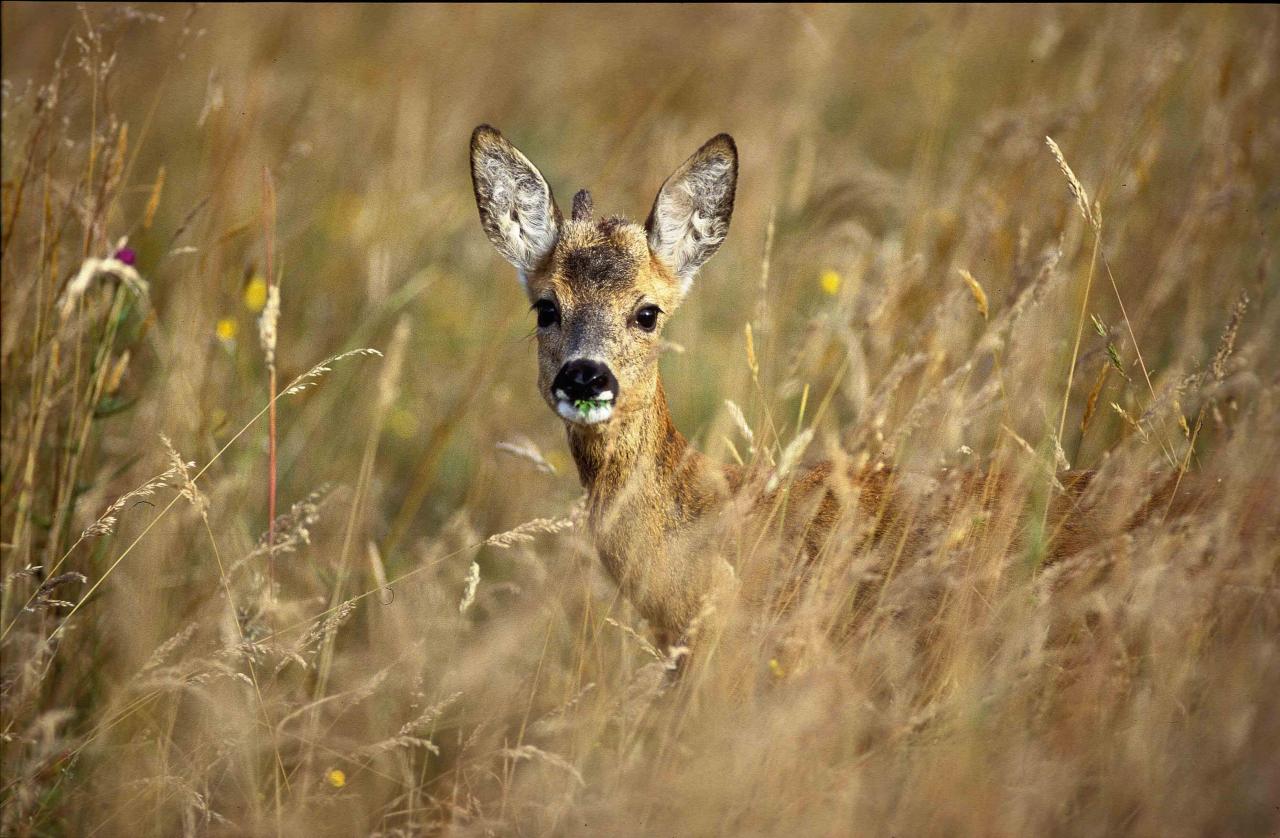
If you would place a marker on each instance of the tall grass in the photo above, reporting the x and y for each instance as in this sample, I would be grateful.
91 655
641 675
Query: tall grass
420 639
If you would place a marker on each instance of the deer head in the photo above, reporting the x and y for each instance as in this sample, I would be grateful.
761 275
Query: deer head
601 289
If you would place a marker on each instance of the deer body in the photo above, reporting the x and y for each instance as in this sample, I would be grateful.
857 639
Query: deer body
664 518
601 289
655 510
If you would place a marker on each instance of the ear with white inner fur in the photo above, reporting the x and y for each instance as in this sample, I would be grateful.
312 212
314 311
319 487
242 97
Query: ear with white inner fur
517 209
690 216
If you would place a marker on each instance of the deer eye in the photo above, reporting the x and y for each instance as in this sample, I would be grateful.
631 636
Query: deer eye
647 317
548 313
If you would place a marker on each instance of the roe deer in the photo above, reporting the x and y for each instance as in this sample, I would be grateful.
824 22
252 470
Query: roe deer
602 290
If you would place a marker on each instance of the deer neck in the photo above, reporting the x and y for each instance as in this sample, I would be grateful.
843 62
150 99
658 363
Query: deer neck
639 463
647 489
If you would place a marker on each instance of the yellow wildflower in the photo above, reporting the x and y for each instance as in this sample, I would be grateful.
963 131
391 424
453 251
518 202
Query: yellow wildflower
336 777
226 329
255 294
830 281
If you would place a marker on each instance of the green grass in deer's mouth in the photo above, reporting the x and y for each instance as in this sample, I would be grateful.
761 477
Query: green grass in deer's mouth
584 406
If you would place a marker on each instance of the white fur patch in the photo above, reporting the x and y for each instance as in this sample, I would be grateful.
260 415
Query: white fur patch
593 416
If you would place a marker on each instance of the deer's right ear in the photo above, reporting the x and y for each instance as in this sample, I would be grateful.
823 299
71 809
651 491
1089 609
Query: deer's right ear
690 216
517 209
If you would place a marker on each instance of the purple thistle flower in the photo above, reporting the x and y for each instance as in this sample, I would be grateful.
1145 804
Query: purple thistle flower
126 255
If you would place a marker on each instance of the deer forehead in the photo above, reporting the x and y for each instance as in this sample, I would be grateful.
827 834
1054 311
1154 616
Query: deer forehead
606 262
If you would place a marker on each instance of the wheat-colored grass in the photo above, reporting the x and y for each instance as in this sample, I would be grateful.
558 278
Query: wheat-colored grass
424 642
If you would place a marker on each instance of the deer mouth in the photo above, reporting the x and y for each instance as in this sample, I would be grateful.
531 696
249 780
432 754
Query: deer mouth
585 411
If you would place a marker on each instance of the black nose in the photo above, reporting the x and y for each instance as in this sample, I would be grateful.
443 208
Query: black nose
582 379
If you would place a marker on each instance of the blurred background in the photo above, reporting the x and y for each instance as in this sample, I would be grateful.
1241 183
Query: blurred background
195 680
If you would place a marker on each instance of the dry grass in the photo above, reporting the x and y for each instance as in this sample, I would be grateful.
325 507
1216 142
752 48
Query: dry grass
404 656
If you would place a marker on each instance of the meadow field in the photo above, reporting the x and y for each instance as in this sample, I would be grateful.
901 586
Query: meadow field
292 545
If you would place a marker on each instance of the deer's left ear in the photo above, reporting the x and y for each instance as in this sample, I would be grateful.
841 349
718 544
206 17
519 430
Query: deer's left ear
517 210
690 216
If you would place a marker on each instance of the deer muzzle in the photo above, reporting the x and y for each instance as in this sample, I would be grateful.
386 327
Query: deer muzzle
585 391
